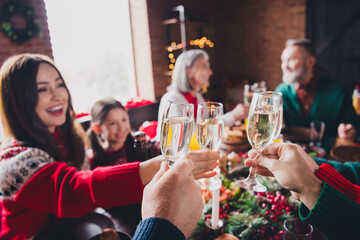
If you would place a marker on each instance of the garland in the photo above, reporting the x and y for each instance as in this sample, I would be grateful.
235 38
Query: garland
19 9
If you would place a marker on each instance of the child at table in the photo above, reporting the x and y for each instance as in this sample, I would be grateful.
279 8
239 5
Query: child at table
110 136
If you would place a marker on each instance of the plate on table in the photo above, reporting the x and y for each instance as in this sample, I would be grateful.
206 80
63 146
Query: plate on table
296 134
345 153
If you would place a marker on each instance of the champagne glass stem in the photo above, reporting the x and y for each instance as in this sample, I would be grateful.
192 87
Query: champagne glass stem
251 182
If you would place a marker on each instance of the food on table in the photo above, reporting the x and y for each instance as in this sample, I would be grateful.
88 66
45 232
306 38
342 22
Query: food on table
236 134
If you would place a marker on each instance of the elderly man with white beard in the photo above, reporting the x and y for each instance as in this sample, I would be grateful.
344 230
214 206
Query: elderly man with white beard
310 97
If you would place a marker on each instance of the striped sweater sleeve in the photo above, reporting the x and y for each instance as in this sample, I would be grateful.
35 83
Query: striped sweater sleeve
328 174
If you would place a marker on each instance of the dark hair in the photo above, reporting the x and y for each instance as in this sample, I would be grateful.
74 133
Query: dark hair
305 43
19 98
99 112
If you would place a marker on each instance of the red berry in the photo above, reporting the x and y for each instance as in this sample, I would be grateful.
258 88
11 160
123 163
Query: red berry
274 207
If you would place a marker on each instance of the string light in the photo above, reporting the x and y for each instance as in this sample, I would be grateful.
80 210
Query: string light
201 43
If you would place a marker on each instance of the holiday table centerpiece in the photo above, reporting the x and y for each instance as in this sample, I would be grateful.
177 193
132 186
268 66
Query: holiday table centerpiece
246 215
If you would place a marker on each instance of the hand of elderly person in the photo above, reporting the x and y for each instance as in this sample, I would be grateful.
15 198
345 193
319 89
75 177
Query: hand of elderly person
347 132
241 111
174 195
288 164
204 162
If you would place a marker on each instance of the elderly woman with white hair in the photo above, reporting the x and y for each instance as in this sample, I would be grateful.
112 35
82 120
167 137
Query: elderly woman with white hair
191 73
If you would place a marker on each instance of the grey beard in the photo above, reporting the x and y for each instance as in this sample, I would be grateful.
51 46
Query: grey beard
289 79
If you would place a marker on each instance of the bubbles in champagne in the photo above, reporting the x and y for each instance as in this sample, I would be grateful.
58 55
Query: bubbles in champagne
209 132
261 128
175 137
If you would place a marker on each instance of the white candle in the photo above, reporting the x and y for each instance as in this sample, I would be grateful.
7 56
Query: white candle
215 209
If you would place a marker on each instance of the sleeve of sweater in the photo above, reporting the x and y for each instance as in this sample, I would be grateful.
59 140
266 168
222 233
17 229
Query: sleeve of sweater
334 214
157 229
66 192
350 170
328 174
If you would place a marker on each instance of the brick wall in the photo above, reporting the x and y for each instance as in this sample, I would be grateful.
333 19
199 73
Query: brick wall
35 45
249 37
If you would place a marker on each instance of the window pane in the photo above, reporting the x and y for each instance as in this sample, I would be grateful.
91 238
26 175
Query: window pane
91 43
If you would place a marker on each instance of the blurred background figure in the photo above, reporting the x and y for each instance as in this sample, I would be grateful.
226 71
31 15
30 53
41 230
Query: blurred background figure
192 72
310 97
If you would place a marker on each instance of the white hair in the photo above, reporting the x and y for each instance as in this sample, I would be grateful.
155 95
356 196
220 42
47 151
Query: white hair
180 80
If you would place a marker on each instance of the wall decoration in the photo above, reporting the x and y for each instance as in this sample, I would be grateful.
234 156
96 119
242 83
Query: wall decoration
17 21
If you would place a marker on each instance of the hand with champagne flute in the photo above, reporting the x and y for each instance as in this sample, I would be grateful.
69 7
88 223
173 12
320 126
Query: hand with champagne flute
172 195
44 153
329 201
263 127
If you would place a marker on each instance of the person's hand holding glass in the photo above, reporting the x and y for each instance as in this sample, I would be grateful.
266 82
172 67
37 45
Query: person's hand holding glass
263 126
176 130
210 126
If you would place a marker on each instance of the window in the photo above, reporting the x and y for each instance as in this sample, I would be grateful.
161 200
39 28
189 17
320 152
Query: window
91 42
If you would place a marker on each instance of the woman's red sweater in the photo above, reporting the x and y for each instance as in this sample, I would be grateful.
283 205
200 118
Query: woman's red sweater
59 190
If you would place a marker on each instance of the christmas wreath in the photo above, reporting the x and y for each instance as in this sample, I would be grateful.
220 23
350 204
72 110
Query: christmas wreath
17 21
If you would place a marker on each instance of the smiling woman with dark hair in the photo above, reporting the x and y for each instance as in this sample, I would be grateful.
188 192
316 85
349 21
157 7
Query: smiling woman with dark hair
41 176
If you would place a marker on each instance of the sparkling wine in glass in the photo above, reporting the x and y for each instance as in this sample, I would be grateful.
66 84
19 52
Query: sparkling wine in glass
210 126
176 130
262 128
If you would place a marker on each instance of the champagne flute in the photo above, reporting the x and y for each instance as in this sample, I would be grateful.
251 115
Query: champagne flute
176 130
262 128
281 113
210 126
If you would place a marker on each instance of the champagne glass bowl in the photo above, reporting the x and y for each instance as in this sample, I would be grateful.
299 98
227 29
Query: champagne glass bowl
176 130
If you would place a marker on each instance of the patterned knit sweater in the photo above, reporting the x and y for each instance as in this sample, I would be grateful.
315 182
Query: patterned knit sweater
34 188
